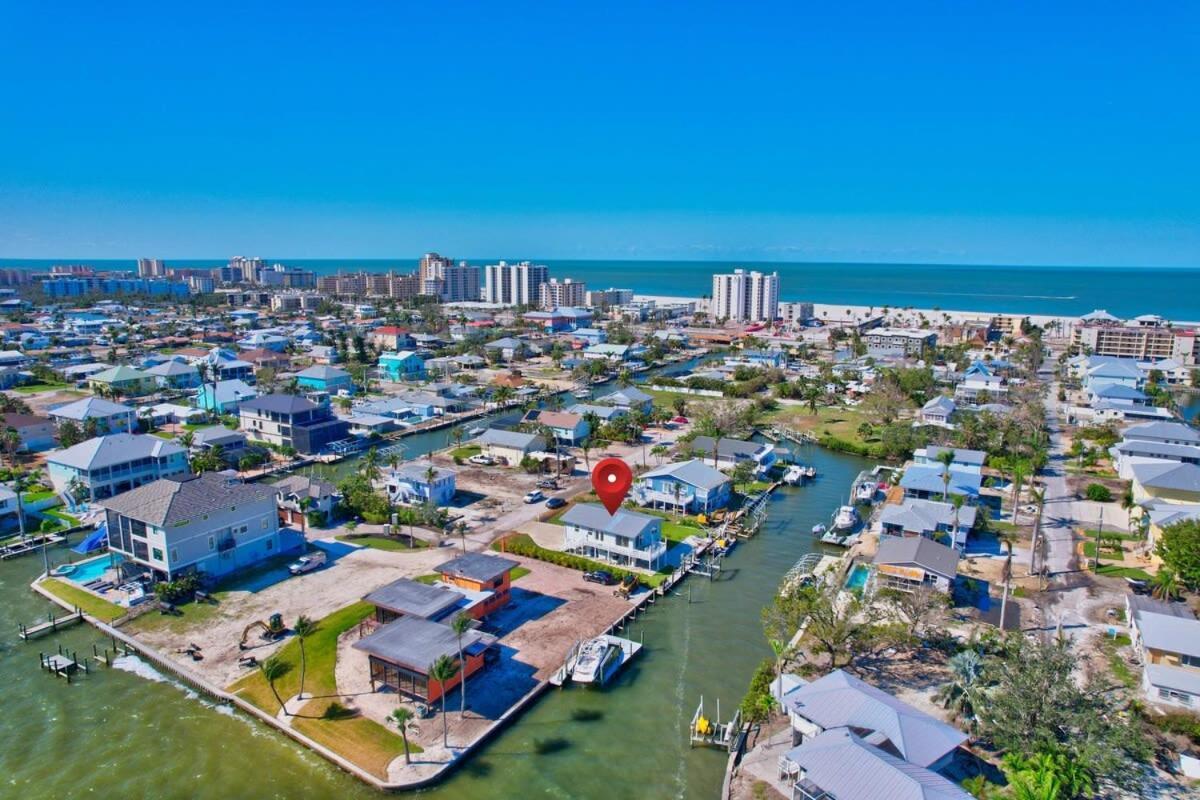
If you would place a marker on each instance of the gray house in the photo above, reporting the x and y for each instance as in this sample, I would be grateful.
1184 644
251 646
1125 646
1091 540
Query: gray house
626 538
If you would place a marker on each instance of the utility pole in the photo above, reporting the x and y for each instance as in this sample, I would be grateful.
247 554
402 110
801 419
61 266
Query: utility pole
1099 537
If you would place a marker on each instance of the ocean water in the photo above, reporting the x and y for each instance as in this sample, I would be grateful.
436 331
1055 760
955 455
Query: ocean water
1069 291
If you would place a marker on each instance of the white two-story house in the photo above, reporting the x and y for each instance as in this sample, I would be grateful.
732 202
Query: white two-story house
626 539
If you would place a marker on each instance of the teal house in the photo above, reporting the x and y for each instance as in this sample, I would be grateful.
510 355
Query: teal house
324 378
402 365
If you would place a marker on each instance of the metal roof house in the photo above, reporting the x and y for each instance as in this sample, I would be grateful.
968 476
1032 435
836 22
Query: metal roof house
109 465
730 452
690 486
481 572
289 421
408 598
906 563
402 652
857 742
416 483
110 417
928 518
1167 637
627 538
922 482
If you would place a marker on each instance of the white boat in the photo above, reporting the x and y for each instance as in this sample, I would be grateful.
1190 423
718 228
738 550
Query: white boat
865 492
794 475
845 519
582 394
818 529
477 431
596 659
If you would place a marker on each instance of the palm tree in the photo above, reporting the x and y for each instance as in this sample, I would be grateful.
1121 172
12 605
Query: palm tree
303 628
442 670
957 500
677 489
273 669
958 695
1165 585
1128 504
1039 498
460 625
370 465
1018 477
403 718
946 457
658 451
1007 538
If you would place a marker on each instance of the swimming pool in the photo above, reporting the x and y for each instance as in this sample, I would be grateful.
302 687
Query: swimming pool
92 569
858 576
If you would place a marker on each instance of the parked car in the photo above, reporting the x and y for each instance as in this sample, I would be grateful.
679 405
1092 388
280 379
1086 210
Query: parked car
555 502
308 563
535 496
549 483
482 460
601 576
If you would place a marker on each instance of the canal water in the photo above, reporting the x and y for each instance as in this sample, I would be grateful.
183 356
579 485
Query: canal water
130 732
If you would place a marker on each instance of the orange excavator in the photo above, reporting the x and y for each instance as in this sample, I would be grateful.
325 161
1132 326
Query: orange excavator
272 630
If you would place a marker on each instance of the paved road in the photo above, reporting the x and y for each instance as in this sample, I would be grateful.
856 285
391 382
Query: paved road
1060 512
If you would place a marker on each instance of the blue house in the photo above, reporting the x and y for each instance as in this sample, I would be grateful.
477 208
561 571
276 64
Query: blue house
402 365
590 336
414 483
692 487
173 374
927 483
324 378
227 397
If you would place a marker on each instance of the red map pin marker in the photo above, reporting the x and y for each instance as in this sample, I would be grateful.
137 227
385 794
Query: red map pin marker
611 479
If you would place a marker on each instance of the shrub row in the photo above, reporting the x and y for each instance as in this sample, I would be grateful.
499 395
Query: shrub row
522 545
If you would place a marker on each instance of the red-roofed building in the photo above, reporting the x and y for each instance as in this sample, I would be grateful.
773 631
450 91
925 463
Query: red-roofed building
390 337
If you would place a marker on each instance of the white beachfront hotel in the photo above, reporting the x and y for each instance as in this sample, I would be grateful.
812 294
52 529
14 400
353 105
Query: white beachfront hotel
745 296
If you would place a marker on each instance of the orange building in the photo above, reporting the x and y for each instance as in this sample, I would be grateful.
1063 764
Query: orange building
402 654
480 572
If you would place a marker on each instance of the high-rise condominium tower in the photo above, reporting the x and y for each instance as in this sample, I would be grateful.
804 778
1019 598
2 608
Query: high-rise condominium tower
745 296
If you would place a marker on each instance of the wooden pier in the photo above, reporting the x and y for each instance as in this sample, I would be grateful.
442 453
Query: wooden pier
62 664
29 545
51 625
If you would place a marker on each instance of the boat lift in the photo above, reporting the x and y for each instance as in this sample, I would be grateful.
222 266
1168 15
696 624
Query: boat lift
714 733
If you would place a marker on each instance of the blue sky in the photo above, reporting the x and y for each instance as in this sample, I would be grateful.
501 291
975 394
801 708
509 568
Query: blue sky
1056 133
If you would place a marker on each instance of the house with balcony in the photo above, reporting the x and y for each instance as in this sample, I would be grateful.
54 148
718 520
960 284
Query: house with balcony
112 464
122 380
224 365
1166 636
403 365
853 741
172 374
626 539
690 487
907 563
731 452
285 420
939 412
323 378
1155 442
299 495
939 521
109 417
568 429
209 523
417 483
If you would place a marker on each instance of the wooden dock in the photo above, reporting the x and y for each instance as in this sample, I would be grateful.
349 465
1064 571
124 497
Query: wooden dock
29 545
62 664
51 625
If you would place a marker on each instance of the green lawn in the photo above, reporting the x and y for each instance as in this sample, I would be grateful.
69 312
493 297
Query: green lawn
363 741
466 451
95 606
67 520
321 651
1117 571
391 543
34 388
170 437
518 573
428 579
37 497
828 421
